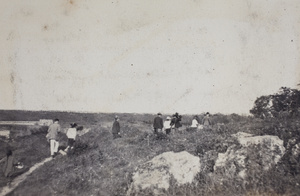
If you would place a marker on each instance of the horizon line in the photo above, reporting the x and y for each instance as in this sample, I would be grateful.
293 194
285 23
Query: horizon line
92 112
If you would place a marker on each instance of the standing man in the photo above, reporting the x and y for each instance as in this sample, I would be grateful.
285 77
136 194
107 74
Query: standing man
116 128
158 123
53 130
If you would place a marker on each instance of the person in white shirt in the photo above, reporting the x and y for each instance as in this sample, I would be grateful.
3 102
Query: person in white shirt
194 122
71 134
194 125
167 125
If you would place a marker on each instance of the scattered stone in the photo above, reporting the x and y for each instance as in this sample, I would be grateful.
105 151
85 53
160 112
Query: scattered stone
62 152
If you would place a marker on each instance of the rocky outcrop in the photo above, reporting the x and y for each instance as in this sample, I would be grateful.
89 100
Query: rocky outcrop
255 153
244 157
157 173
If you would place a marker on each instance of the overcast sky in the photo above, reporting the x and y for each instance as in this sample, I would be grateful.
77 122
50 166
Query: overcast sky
146 56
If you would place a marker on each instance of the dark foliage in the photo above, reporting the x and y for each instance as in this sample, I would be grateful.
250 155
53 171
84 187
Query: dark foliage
283 104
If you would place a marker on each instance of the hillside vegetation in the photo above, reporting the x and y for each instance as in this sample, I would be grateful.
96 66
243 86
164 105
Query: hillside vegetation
100 165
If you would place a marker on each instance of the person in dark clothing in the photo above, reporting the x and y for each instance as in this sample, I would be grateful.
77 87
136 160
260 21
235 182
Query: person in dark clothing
175 122
178 123
11 166
116 128
158 123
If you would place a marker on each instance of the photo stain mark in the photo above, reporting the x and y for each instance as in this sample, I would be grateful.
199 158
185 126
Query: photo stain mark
12 80
45 27
10 36
12 77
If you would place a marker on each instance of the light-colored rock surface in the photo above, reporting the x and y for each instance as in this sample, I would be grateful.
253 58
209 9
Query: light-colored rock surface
273 143
157 172
260 151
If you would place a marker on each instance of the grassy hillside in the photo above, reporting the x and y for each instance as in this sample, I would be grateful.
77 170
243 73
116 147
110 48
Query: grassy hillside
100 165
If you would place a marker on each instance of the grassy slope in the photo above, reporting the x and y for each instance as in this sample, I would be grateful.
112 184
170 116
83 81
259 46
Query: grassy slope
28 144
102 166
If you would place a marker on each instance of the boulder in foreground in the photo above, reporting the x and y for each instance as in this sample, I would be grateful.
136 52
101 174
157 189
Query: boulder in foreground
156 173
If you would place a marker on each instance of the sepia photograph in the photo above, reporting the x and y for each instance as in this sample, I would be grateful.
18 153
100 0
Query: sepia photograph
150 98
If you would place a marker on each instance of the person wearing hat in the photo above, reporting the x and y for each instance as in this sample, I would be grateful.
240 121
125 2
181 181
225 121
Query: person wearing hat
53 131
158 123
167 125
71 134
116 128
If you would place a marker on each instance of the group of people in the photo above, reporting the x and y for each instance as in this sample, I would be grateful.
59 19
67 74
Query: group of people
170 123
12 167
54 129
175 123
52 136
206 122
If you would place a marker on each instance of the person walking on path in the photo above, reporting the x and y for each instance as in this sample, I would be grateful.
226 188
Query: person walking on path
71 134
158 123
53 131
116 128
167 125
207 122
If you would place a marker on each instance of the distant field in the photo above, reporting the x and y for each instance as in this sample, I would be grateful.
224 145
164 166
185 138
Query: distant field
18 122
68 117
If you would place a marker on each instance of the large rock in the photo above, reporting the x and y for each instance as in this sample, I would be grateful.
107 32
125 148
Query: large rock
156 173
255 153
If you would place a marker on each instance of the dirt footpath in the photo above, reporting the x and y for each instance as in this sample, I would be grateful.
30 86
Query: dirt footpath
7 189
